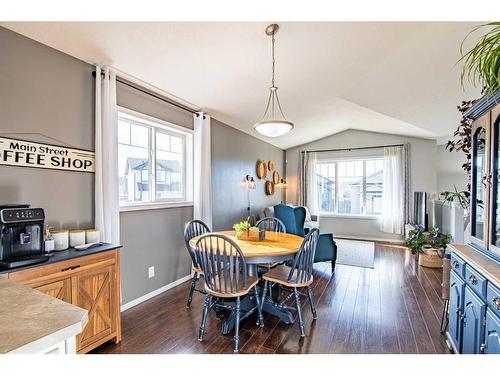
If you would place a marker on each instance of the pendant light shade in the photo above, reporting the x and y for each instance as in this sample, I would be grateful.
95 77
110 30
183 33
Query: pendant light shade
270 125
273 128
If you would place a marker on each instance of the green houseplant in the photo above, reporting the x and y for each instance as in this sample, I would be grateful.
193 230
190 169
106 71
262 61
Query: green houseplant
416 241
482 62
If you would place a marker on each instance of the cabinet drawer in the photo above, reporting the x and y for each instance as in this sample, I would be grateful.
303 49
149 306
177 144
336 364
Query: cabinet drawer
493 298
61 270
458 264
476 281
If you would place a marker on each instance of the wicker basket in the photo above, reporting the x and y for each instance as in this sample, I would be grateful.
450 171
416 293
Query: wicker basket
430 258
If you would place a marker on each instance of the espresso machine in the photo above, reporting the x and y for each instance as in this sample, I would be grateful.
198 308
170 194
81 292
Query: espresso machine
21 236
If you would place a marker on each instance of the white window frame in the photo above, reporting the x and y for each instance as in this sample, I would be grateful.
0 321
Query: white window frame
154 124
363 215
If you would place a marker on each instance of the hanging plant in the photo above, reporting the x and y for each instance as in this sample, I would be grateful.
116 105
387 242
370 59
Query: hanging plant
463 136
462 142
482 62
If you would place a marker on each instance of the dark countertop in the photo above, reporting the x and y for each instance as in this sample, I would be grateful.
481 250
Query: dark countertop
60 256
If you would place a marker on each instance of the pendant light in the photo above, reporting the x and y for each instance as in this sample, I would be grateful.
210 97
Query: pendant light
270 125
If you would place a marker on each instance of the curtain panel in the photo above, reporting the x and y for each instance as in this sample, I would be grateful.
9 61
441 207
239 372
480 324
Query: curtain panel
395 196
202 198
107 207
308 191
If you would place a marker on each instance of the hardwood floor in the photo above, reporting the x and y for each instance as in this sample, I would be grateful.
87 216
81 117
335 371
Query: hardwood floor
393 308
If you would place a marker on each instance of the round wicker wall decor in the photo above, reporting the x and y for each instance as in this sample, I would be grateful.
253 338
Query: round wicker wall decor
261 169
276 177
269 188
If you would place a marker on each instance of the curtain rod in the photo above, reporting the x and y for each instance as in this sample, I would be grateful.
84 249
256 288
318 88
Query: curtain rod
178 105
351 148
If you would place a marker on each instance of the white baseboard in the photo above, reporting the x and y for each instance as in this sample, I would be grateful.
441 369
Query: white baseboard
358 238
154 293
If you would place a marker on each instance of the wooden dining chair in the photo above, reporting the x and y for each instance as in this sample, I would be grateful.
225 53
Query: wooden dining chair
271 224
225 272
193 229
299 275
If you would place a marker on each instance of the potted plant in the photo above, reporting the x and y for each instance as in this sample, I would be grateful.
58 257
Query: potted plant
416 241
245 231
432 255
482 62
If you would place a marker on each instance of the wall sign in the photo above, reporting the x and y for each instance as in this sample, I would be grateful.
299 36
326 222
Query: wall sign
39 155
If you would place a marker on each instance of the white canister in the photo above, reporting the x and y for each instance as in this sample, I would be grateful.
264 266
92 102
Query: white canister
49 246
61 239
93 235
76 237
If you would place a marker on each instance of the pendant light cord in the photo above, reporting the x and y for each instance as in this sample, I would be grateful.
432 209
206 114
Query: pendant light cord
273 94
274 59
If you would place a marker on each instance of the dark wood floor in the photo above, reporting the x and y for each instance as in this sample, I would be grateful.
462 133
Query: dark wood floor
393 308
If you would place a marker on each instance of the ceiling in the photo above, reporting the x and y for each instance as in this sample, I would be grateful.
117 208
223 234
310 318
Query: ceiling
391 77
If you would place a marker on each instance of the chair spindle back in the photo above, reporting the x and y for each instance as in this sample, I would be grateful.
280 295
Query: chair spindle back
222 262
193 229
271 224
303 261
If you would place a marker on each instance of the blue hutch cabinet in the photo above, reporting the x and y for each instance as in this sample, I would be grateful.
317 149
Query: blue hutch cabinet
474 309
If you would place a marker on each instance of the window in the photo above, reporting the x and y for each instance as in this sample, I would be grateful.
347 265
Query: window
350 187
154 161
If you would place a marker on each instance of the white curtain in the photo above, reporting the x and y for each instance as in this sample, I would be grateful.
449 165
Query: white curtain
308 189
107 210
202 169
312 195
393 201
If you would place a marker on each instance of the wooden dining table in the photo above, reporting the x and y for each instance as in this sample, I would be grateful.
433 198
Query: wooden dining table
276 247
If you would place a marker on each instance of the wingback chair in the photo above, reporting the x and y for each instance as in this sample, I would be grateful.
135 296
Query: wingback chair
294 218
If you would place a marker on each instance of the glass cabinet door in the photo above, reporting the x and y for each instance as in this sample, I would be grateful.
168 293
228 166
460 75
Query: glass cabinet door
479 186
495 184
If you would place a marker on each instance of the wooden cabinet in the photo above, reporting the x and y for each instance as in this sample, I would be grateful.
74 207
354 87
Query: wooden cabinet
492 342
60 289
91 282
473 322
485 179
455 310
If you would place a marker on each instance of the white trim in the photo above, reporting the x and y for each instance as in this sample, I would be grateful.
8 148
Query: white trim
154 206
347 216
154 293
357 238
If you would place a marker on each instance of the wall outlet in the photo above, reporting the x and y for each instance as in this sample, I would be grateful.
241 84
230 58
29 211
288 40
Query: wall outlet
151 272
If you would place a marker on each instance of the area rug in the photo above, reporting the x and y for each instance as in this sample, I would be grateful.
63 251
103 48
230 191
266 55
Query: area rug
355 253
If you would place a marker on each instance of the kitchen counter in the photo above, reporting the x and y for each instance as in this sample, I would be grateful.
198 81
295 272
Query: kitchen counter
60 256
33 322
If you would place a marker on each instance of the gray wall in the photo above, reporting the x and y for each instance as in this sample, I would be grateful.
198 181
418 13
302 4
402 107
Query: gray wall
152 237
234 155
449 170
48 92
423 176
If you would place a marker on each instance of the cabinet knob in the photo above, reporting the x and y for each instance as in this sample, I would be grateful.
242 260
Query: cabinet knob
496 302
482 348
456 264
472 280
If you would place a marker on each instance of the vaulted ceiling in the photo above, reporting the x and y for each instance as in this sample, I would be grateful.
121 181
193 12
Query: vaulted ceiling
392 77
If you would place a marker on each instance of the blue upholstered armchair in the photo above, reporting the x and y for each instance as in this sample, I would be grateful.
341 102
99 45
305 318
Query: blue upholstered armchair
294 218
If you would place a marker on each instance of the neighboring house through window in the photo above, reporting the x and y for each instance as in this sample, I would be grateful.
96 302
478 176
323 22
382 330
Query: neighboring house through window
350 187
154 161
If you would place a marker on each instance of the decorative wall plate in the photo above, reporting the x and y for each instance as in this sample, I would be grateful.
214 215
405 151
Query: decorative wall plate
269 188
270 165
261 169
276 177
